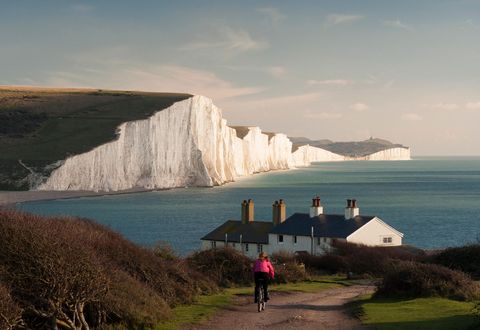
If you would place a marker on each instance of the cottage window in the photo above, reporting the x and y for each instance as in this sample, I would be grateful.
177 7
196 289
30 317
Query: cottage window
280 238
319 240
387 240
295 239
214 244
246 247
233 245
324 240
259 248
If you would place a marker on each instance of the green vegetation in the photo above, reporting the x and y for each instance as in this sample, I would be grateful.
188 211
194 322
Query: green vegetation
416 314
352 149
42 126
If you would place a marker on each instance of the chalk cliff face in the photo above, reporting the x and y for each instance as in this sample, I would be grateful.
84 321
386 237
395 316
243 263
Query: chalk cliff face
389 154
187 144
305 155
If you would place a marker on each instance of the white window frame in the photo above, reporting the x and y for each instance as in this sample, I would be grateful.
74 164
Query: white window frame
387 240
259 248
213 244
246 247
295 239
280 239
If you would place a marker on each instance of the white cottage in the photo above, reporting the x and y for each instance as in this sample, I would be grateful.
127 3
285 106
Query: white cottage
312 232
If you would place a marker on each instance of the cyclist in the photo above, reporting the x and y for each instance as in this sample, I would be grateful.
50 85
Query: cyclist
262 271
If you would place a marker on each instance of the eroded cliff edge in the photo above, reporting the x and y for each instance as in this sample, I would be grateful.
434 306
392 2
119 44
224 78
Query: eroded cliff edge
187 144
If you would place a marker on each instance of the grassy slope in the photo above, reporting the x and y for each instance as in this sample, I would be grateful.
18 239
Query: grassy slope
352 149
41 126
205 306
420 313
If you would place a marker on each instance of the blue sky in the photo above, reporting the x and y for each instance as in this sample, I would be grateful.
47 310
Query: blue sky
407 71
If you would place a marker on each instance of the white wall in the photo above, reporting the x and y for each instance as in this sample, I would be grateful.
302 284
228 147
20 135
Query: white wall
373 233
303 244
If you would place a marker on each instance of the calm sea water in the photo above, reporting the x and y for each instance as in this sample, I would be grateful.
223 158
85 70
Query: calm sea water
435 202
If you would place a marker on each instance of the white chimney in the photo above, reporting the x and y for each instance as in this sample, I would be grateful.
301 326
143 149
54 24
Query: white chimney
316 208
351 211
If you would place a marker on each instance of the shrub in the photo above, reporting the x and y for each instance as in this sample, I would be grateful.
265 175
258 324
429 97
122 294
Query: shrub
329 263
465 259
75 273
412 279
224 266
10 312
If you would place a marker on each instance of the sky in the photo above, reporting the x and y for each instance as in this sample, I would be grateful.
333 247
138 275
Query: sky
406 71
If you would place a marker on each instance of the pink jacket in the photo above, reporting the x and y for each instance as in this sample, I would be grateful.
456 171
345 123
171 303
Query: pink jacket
263 266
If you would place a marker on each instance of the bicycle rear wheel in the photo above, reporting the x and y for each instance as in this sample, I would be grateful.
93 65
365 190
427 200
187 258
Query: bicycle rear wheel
261 301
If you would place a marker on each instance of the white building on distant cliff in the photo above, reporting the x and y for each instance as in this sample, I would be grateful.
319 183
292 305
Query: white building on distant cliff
313 232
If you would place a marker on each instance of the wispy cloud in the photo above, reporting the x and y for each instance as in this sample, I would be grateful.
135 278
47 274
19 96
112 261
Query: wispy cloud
411 117
330 82
82 8
335 19
284 101
322 115
228 39
446 106
273 15
156 78
359 107
473 105
397 24
276 71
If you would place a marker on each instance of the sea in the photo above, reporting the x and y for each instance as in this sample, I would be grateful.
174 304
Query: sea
434 201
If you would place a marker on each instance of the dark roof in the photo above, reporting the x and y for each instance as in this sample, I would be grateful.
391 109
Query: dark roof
324 225
253 232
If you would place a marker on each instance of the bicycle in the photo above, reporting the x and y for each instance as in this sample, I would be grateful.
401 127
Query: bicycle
261 298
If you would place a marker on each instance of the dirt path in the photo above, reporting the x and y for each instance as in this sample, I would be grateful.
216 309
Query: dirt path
322 310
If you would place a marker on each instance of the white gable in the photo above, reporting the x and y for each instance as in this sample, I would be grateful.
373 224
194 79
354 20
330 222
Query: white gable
376 232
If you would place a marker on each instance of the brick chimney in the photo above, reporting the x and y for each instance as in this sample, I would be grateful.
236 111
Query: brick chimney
247 211
351 211
316 208
279 212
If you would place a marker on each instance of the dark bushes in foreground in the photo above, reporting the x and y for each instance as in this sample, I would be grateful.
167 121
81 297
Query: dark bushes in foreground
360 259
408 279
10 312
287 268
76 274
464 258
226 267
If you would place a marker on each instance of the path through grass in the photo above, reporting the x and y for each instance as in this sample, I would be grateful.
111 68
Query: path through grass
205 306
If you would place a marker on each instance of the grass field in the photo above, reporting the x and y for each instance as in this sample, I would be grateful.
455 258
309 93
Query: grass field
41 126
417 314
205 306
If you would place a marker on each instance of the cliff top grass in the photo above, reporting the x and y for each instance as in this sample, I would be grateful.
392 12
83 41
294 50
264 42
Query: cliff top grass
351 149
40 126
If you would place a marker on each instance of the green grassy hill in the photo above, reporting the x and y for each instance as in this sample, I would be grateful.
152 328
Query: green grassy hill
352 149
40 126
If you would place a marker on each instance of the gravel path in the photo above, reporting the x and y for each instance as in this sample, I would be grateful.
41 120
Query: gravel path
322 310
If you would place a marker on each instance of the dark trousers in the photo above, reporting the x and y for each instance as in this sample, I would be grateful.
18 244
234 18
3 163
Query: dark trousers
261 278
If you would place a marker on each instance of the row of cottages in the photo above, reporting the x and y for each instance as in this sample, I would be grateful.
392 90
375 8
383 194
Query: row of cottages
312 232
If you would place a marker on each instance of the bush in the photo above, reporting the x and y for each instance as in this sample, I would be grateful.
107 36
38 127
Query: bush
288 268
10 312
328 263
74 273
225 266
465 259
409 279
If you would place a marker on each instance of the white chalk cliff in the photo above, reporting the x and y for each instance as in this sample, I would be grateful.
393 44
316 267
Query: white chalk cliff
186 144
